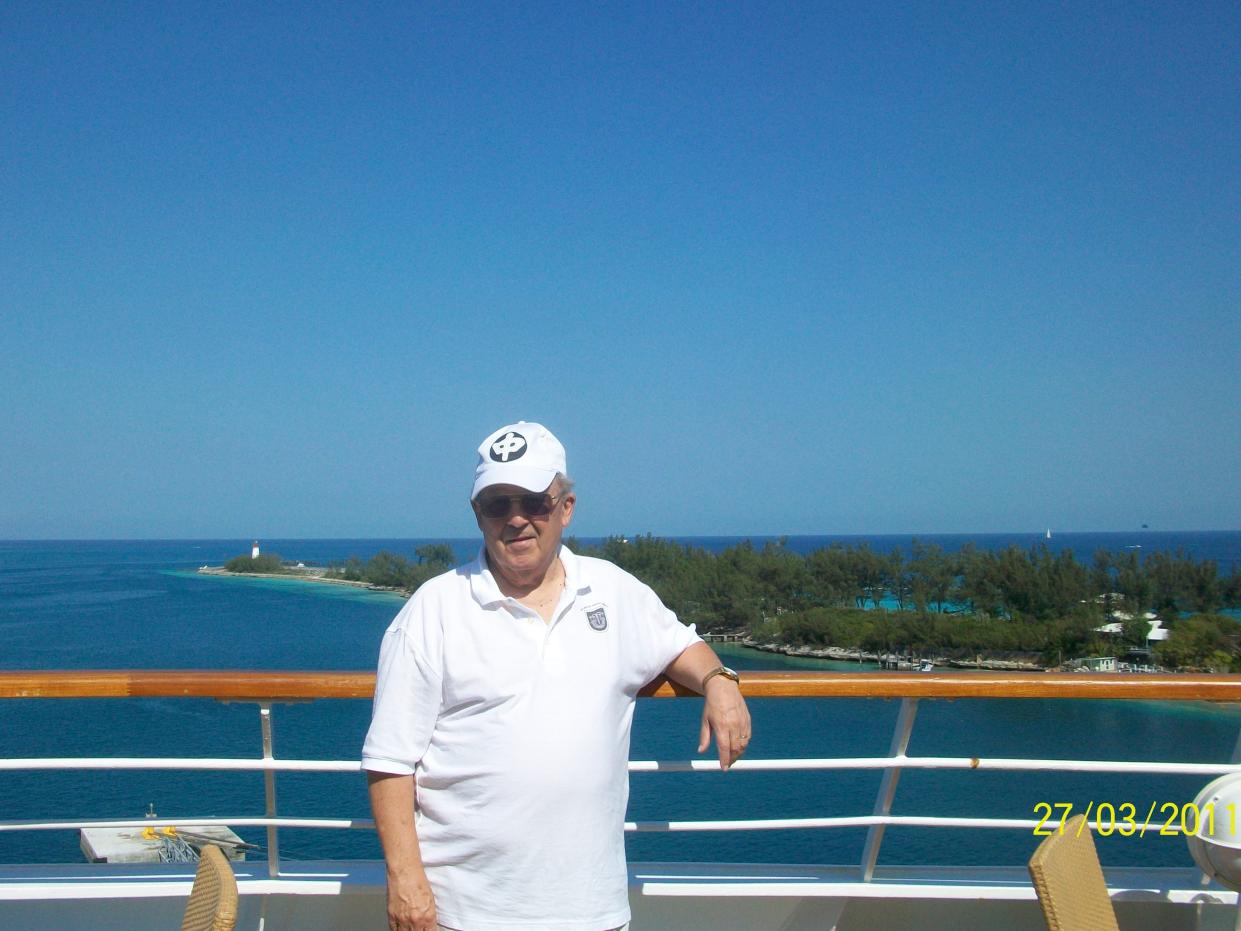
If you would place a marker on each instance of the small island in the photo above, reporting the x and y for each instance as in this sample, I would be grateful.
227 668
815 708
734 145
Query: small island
386 572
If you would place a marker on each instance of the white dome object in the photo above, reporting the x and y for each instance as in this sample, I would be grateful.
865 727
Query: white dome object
1216 845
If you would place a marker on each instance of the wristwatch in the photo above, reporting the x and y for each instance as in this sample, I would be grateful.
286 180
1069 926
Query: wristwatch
720 671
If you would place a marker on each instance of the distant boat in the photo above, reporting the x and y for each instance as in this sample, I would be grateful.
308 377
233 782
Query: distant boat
1048 533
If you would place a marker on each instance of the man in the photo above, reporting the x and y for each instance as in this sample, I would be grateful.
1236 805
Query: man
505 691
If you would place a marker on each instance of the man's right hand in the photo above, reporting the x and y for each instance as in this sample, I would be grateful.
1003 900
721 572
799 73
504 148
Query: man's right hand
411 904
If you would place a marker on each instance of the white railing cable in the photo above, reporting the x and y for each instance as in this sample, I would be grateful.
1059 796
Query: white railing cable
845 821
225 764
1155 828
119 823
230 764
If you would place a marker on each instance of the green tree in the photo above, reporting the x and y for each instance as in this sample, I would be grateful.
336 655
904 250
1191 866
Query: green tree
1135 586
267 563
899 581
436 556
1203 640
831 579
933 574
1230 589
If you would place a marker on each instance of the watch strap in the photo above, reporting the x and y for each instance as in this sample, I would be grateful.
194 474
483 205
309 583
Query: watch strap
720 671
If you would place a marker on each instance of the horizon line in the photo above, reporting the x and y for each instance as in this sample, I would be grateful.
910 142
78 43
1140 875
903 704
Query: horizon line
704 536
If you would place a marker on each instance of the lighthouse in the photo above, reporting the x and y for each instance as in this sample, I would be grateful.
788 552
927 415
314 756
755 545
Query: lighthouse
254 550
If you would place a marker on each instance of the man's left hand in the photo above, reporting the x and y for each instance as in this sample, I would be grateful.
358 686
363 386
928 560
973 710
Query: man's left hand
725 715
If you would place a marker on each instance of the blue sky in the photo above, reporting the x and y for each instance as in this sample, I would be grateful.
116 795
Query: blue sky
276 269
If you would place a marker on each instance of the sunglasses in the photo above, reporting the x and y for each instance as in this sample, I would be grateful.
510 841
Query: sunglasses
497 507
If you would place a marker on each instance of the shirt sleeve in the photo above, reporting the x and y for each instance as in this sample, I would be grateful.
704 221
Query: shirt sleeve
661 636
408 692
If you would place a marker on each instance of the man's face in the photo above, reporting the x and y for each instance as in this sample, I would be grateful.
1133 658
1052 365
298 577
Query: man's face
521 547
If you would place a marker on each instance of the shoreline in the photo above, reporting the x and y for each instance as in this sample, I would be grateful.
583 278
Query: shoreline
306 575
850 655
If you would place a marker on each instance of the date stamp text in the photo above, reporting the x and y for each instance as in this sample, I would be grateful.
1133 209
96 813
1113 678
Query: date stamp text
1129 818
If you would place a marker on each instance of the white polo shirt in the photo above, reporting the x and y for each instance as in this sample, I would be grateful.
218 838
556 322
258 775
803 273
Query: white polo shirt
517 731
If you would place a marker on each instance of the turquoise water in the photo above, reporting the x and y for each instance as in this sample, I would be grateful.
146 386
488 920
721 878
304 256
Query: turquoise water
140 605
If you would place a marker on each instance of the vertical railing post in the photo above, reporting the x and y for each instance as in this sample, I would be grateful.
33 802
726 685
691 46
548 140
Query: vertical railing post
269 792
1236 749
887 785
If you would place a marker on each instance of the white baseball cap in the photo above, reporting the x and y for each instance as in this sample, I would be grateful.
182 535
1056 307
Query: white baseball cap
523 454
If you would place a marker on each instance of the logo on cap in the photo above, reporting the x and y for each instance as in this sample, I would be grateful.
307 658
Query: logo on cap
510 446
598 620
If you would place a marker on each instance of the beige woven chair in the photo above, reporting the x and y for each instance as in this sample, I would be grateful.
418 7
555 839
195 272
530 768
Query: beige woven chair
213 900
1069 881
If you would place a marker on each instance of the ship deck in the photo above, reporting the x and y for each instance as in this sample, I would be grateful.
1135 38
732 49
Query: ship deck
685 896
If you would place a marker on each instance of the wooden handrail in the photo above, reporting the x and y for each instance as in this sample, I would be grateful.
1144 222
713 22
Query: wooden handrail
225 684
253 685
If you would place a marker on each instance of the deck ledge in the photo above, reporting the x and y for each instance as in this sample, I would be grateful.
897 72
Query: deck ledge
712 880
1172 884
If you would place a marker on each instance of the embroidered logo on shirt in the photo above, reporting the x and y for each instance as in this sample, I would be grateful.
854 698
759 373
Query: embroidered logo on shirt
598 620
510 446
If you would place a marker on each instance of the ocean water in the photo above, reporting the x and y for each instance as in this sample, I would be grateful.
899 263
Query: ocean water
110 604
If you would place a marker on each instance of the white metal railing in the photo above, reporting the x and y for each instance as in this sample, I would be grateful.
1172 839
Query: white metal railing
881 818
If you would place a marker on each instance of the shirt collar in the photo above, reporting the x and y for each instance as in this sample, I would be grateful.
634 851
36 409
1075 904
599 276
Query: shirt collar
486 592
